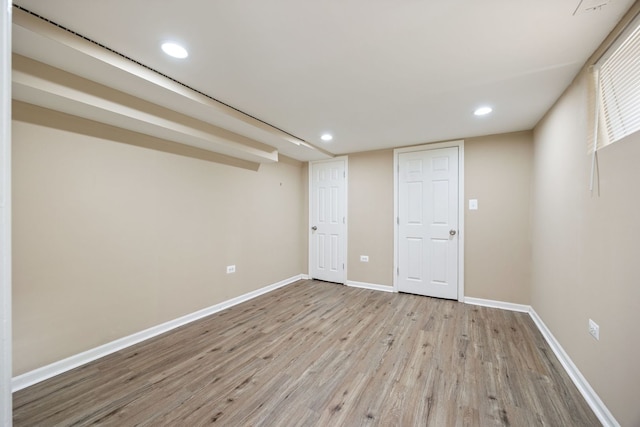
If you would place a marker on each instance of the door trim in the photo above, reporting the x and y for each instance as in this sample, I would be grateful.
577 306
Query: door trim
346 212
5 215
461 234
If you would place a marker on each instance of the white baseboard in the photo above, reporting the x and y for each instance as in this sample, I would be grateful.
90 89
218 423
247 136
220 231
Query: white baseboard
37 375
593 400
597 405
56 368
370 286
498 304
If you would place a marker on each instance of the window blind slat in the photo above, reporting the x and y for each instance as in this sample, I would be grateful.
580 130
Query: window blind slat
616 89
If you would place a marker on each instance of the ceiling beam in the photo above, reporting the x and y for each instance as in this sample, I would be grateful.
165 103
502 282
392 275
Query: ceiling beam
60 35
49 87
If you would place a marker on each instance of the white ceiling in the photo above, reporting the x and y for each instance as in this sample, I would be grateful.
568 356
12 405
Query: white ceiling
374 73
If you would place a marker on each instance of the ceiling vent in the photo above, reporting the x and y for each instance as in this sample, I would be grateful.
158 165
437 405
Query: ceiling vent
590 6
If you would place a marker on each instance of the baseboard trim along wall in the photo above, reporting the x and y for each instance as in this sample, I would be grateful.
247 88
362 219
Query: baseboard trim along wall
37 375
370 286
597 405
56 368
498 304
593 400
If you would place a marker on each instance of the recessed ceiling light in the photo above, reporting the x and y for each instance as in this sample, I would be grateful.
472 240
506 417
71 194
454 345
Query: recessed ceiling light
175 50
483 111
326 137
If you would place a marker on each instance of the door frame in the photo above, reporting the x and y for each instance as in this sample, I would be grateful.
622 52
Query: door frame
461 234
5 215
346 212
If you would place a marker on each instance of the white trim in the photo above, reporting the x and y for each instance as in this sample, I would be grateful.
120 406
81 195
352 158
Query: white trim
56 368
498 304
370 286
5 215
461 233
620 39
37 375
346 211
589 394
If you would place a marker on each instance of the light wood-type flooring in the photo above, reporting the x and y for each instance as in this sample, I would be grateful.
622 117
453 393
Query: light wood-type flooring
320 354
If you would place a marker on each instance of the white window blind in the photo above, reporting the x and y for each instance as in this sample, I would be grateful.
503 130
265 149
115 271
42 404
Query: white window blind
615 93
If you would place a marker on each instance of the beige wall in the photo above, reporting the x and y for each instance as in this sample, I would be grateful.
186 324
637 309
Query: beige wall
586 250
113 238
371 217
497 242
110 238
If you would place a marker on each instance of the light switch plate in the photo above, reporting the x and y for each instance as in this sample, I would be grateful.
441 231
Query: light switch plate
594 329
473 204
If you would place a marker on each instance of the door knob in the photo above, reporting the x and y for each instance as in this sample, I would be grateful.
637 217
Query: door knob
314 228
452 232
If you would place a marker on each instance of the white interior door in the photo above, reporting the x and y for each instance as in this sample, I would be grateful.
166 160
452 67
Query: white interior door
428 222
328 221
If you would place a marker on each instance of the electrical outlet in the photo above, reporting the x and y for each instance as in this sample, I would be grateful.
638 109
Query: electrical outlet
594 329
364 258
231 269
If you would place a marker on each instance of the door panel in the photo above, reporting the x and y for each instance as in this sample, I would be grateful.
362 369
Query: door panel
328 215
414 251
427 215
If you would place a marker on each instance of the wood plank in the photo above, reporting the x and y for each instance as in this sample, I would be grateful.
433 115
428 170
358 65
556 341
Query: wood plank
315 353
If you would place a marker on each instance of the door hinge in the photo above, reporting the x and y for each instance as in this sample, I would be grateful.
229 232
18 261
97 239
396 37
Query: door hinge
398 220
397 271
344 220
343 266
344 174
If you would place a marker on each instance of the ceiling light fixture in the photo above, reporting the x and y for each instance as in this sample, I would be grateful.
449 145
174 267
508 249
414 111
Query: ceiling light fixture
326 137
175 50
483 111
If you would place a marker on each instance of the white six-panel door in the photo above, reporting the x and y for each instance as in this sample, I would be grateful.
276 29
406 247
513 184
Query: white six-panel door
327 220
427 222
